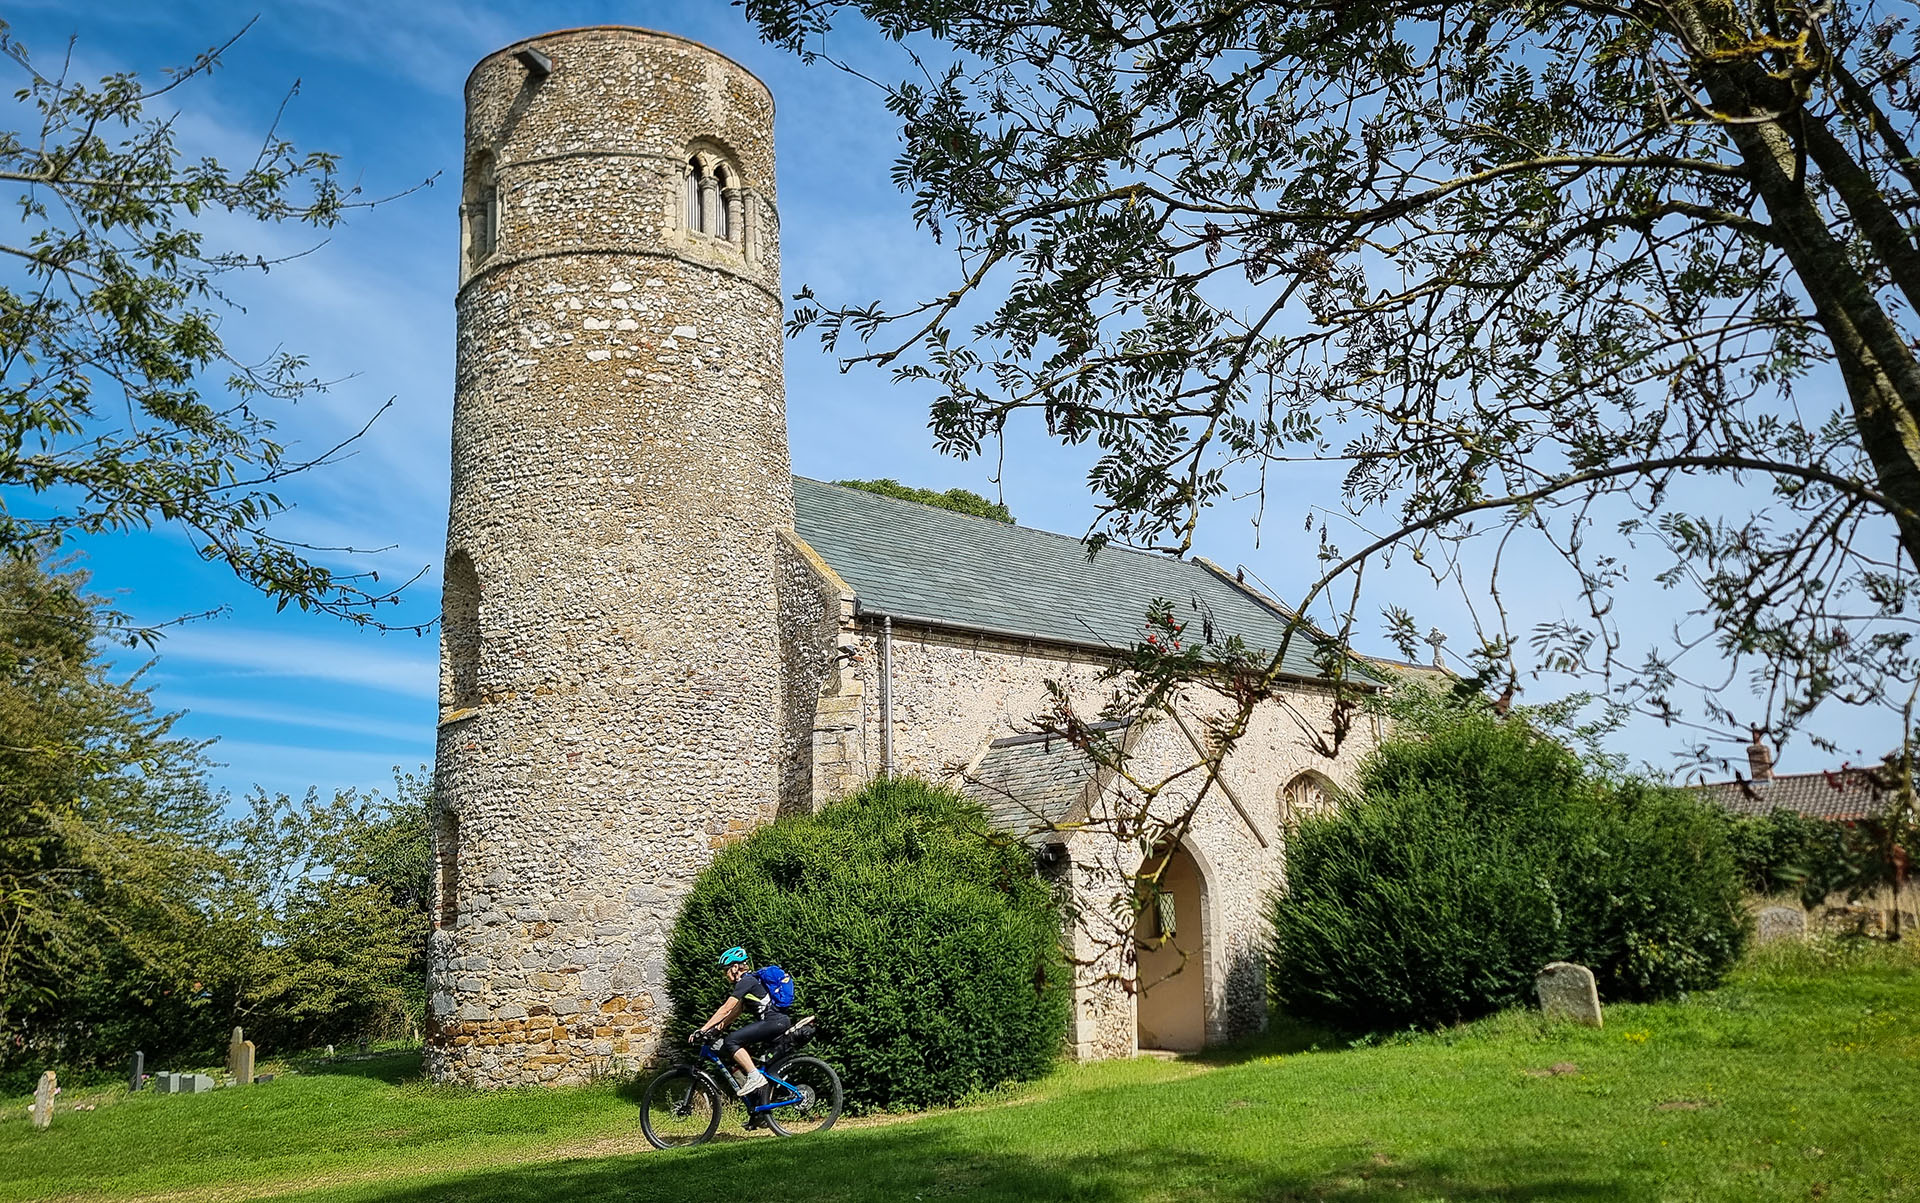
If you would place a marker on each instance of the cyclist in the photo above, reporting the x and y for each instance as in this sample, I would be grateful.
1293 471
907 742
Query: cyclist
769 1022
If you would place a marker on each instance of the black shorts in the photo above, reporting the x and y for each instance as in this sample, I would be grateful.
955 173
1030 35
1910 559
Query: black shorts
765 1028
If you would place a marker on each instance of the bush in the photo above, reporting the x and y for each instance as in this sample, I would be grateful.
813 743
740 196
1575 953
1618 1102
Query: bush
1786 852
1475 852
931 953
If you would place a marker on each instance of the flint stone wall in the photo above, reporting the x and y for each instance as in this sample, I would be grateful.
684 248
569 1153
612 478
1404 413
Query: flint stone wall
953 693
619 477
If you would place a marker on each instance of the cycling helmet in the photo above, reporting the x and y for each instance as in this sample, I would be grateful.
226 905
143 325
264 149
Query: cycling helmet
733 956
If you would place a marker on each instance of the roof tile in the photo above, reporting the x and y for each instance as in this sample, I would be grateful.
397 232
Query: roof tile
1848 794
914 561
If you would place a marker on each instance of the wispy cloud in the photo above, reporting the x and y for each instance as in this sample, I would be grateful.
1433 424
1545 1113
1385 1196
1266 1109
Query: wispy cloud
411 734
404 668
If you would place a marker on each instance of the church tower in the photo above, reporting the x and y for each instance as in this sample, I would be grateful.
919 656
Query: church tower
610 675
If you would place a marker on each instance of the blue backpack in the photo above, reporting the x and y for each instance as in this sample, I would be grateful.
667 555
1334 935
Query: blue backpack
779 985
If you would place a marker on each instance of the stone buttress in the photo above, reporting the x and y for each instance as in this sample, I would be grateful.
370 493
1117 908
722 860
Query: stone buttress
610 675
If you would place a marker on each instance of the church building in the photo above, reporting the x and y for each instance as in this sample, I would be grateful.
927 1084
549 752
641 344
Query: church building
656 638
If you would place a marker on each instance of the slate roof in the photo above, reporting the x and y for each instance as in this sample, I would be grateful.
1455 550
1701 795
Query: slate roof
919 562
1029 783
1847 794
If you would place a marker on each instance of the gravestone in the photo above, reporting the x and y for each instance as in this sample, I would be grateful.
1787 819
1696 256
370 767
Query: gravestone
1567 991
43 1100
137 1074
233 1053
167 1083
195 1083
243 1065
1777 923
329 1052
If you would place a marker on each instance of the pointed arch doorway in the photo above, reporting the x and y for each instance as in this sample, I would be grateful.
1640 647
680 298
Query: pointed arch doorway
1170 937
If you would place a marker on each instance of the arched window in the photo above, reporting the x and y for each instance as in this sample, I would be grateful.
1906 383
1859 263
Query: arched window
1307 794
696 178
715 203
446 871
723 184
480 209
460 633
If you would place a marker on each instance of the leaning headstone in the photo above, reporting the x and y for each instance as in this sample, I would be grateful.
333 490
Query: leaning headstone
137 1074
1567 991
43 1100
1777 923
195 1083
243 1065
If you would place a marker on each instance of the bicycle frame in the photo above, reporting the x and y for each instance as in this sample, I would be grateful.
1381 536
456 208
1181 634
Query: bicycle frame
793 1092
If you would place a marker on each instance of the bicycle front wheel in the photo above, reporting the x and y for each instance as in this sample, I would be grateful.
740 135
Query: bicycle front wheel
680 1108
819 1089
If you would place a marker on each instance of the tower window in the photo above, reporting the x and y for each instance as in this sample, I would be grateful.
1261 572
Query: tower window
446 871
715 203
696 178
460 632
481 210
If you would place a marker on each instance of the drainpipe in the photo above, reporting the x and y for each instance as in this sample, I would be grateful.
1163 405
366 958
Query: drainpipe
886 697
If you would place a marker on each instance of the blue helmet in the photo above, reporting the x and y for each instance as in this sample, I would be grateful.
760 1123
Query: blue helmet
733 956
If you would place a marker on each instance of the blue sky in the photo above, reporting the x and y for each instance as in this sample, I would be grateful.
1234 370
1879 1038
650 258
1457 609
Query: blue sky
296 701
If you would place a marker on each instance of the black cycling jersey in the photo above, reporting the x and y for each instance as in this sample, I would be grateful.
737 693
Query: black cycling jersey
751 991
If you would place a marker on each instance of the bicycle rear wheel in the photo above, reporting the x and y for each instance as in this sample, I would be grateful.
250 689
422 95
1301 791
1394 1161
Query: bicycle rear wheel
680 1108
820 1098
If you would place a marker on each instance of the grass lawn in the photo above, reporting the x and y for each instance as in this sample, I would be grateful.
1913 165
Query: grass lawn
1799 1080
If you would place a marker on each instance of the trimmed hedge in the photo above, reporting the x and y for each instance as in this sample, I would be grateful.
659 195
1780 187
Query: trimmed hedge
1472 855
931 953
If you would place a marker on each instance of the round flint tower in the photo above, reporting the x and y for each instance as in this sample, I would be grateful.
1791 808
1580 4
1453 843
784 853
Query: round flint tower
609 669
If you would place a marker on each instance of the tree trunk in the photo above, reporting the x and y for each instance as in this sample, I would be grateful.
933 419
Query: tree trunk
1876 362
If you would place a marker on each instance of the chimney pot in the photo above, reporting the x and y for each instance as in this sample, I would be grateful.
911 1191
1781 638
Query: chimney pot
1759 759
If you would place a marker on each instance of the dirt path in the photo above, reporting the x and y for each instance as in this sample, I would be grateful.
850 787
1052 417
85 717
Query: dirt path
415 1167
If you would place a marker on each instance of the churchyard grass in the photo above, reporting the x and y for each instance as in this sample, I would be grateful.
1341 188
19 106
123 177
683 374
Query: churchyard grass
1800 1079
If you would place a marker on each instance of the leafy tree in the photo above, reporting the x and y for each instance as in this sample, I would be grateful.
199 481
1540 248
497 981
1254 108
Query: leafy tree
961 501
1628 281
107 832
122 405
337 893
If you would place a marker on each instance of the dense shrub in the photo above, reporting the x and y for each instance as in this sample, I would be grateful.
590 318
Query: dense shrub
1786 852
931 953
1476 851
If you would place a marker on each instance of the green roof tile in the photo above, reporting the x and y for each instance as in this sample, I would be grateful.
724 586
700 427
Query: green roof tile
1028 784
915 561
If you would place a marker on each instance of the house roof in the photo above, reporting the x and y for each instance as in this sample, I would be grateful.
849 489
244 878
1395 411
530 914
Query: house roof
1846 794
1030 784
922 564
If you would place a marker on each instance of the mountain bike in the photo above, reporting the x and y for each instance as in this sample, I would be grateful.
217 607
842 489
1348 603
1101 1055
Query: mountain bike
682 1106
